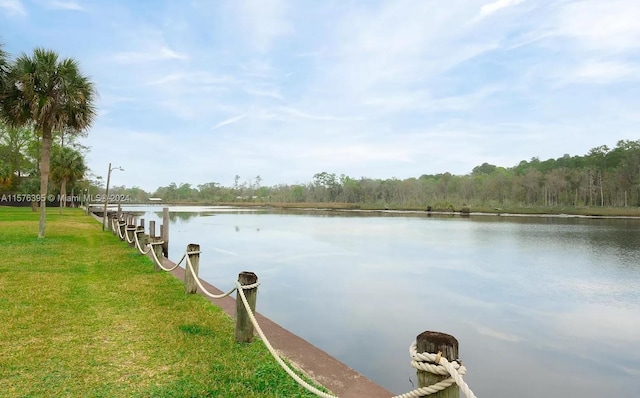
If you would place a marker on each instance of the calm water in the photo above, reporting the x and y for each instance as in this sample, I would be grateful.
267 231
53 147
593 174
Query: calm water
541 306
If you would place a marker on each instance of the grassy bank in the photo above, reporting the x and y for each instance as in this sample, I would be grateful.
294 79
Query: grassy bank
83 315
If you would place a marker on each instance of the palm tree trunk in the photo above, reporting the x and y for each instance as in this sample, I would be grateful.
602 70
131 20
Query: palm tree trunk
63 194
45 158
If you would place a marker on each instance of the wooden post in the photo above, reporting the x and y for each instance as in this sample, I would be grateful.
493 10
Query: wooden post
165 231
130 231
119 212
141 222
123 229
434 342
190 286
152 229
157 249
140 235
244 327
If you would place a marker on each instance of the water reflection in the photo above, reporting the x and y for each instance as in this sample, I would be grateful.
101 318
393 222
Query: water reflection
528 298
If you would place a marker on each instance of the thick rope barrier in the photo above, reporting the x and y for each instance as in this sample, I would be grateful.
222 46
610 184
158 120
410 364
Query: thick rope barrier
120 233
432 363
202 288
272 350
159 263
127 235
135 236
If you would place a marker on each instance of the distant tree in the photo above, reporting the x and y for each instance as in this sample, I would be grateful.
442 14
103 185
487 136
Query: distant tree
54 96
485 168
14 143
67 166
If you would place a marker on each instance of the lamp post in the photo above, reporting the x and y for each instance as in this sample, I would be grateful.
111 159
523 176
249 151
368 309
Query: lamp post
106 199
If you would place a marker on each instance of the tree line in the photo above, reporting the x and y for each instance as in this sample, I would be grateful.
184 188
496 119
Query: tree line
604 177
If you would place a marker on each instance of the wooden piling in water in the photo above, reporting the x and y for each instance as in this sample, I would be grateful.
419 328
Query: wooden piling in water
244 327
434 342
193 251
165 231
152 229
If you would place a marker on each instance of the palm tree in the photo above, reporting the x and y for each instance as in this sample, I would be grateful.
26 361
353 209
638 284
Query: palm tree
4 64
53 95
67 166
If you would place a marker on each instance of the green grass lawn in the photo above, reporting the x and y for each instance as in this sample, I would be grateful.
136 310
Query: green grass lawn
83 315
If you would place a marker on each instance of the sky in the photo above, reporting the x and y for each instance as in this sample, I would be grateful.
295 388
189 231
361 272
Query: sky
199 91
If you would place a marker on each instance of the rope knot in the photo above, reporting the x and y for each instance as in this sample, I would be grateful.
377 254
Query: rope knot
438 365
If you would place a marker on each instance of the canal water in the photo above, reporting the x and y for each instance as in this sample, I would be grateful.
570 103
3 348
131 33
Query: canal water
541 306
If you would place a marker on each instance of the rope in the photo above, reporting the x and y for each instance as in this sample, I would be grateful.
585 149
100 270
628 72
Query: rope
272 350
127 235
189 266
135 236
120 233
159 263
434 363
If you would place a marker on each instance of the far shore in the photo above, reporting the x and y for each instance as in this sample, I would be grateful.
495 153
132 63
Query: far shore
464 211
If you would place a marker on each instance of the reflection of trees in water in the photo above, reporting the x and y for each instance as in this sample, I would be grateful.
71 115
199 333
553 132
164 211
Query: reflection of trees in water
183 216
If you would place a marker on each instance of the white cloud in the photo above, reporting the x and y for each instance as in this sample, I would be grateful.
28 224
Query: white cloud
66 5
606 72
149 55
610 25
304 115
229 121
265 93
497 5
13 7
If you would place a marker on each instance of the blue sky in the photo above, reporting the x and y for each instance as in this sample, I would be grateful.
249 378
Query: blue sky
199 91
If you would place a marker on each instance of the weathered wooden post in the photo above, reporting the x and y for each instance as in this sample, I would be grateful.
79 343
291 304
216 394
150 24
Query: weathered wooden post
193 251
434 342
141 222
123 229
165 231
152 229
157 249
244 327
130 234
140 236
119 212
